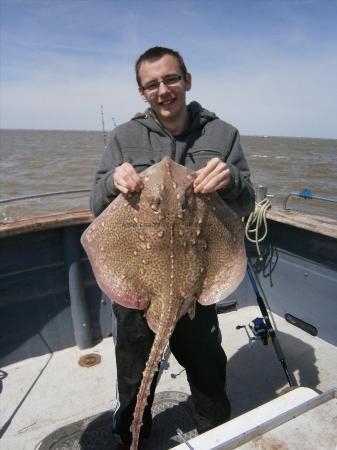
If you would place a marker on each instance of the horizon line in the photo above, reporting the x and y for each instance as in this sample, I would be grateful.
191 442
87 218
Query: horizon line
258 135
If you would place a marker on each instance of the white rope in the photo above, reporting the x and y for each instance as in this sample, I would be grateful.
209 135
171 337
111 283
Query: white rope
257 223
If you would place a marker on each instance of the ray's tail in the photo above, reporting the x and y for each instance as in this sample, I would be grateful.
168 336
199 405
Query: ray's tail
161 339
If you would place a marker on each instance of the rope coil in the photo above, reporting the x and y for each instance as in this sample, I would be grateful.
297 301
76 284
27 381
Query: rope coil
257 220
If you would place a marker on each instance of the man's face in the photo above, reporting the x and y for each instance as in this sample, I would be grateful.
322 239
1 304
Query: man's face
168 102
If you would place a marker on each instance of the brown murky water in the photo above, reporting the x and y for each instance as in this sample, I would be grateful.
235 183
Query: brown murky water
35 162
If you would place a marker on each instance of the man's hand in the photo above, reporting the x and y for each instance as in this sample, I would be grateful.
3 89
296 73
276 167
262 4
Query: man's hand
126 179
215 175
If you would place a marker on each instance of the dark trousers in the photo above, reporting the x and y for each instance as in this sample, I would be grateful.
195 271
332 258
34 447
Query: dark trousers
196 346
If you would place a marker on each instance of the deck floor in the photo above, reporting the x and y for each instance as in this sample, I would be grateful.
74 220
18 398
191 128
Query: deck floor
43 394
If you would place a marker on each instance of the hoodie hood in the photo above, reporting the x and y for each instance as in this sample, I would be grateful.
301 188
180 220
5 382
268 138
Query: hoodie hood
199 116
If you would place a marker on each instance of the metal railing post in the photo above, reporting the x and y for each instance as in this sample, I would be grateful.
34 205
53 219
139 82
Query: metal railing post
78 302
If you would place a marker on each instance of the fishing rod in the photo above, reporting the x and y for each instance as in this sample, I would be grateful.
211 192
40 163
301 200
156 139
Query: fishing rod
265 328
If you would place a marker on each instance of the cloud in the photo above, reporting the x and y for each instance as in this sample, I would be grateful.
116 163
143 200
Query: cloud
294 99
267 67
74 104
274 98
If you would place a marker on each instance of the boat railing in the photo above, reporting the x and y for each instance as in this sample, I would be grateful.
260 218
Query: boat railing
306 194
43 194
261 194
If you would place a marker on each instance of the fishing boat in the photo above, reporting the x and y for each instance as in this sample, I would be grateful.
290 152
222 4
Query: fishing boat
58 375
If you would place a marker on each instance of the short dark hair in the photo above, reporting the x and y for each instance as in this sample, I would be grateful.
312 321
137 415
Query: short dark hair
156 53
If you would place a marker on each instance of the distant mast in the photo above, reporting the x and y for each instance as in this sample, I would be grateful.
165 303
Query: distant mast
104 133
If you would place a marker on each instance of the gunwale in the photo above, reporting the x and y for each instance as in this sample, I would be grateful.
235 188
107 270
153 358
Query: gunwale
318 224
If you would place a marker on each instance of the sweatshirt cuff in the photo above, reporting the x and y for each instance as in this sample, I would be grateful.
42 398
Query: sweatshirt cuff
110 189
228 190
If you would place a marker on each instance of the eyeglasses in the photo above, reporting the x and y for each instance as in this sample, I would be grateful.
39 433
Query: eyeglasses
170 80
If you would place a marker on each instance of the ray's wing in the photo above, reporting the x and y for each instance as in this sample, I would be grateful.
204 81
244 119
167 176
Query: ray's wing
109 243
225 258
128 250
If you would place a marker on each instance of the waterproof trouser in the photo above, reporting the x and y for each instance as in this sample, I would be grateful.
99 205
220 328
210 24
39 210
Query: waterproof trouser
196 346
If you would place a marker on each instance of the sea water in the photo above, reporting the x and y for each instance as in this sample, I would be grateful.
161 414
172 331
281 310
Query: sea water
40 161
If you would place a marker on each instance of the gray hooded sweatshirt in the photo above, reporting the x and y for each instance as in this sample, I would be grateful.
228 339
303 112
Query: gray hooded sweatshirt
143 142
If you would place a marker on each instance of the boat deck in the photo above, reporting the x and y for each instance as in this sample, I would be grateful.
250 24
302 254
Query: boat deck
43 394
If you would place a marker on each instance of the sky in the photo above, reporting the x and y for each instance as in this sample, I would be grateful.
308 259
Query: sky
268 67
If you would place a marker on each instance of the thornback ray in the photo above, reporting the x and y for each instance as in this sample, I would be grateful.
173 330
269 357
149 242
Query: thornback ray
163 249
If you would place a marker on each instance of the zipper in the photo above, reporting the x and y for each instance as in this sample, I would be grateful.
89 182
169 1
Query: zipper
173 141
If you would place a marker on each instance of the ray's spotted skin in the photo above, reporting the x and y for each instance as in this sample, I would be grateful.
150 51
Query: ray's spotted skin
161 250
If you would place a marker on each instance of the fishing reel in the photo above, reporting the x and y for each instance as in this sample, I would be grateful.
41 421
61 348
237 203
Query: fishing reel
259 329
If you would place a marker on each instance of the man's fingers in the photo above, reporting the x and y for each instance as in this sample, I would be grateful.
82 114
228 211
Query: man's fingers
217 182
131 172
205 171
214 180
121 188
126 179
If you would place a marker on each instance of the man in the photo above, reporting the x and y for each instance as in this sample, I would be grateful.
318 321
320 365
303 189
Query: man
198 139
